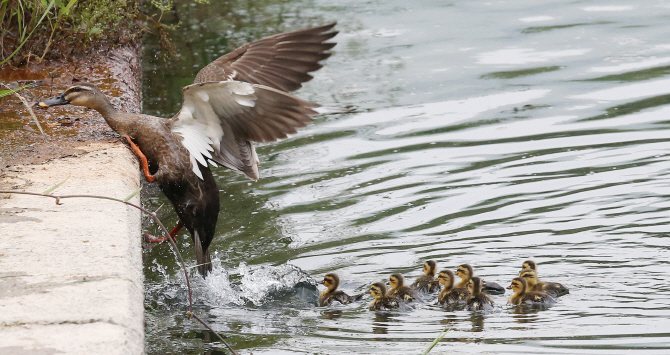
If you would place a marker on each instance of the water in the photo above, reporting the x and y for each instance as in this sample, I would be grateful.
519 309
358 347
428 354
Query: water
462 131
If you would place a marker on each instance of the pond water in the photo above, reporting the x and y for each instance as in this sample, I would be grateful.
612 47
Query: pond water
480 132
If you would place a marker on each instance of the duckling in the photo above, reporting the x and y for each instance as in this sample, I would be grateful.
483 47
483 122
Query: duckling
478 300
332 281
522 295
398 289
427 283
450 294
465 272
381 301
552 287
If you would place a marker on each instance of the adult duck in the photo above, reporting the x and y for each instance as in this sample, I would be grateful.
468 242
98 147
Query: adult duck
237 99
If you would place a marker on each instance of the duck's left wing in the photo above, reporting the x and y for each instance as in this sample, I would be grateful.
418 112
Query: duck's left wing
219 120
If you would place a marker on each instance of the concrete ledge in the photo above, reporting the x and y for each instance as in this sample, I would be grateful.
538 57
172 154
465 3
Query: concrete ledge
71 278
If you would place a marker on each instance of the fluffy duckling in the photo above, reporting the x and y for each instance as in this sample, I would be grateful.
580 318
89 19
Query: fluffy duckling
449 293
522 295
381 301
478 300
465 272
332 282
398 289
552 288
427 283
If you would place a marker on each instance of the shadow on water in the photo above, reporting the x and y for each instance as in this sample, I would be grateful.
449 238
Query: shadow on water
476 132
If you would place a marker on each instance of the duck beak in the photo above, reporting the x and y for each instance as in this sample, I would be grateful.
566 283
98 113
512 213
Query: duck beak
56 101
509 287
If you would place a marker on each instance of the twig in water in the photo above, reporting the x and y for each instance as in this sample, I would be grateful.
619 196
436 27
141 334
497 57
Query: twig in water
155 218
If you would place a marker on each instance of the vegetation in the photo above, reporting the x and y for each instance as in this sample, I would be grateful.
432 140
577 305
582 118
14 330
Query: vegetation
32 30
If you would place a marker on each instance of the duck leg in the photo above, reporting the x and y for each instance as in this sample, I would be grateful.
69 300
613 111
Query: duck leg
151 239
143 159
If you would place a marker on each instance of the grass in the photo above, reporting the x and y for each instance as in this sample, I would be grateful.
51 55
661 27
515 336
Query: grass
437 340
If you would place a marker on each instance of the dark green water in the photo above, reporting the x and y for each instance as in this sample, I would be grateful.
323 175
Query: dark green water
477 132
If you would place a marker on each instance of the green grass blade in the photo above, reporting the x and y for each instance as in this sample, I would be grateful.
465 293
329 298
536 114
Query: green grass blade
133 194
51 189
51 4
437 340
4 93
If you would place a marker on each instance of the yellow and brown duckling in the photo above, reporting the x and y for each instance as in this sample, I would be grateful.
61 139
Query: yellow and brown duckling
449 293
332 282
465 272
478 300
427 283
522 294
398 289
381 300
553 288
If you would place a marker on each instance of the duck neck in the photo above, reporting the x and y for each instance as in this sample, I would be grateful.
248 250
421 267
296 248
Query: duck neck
115 119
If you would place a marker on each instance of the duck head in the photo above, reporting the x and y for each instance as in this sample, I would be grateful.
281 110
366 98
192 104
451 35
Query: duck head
529 276
464 272
429 268
81 94
446 278
518 286
331 281
475 286
378 290
396 281
529 264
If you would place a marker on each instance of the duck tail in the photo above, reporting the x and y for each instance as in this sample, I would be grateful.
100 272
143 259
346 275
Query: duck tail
202 256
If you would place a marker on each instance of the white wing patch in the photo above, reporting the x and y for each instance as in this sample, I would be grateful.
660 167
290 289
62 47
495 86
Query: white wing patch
198 122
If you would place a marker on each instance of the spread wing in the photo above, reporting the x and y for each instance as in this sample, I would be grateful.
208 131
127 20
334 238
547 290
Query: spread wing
219 120
282 61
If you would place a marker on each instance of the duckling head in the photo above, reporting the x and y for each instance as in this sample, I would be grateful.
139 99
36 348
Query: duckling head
529 264
446 278
518 286
331 281
464 272
396 281
530 276
429 268
378 290
475 286
82 94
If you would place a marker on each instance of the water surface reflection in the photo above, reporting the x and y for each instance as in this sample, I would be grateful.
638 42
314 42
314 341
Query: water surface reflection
463 132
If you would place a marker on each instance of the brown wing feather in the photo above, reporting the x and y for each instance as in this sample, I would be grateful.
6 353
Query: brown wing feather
281 61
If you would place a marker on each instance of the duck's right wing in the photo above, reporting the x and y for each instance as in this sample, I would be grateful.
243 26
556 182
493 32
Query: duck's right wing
282 61
219 120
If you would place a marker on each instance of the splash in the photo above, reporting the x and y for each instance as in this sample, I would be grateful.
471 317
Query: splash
246 285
